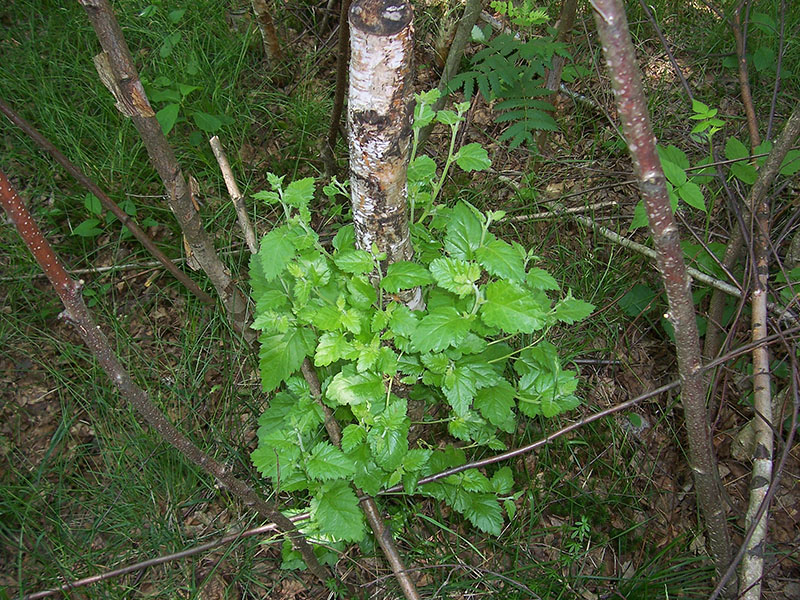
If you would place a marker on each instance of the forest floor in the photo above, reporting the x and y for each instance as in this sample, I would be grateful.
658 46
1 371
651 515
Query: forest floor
607 511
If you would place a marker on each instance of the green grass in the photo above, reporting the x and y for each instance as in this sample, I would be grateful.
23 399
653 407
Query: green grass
86 488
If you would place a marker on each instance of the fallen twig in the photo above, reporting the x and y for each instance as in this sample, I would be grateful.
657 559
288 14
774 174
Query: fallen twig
235 194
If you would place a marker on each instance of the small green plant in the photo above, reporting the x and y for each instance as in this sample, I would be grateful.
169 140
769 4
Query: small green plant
473 359
511 71
576 542
174 94
92 227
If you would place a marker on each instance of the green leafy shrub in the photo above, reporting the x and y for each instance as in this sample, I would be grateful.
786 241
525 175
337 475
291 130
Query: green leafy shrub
463 355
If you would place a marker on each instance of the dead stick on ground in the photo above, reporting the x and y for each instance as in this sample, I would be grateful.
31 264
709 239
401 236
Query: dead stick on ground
235 194
105 200
78 315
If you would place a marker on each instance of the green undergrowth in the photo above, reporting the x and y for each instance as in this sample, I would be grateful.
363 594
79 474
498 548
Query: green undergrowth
84 488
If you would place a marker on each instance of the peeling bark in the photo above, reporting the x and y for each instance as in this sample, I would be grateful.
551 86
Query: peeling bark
612 26
269 37
119 74
379 117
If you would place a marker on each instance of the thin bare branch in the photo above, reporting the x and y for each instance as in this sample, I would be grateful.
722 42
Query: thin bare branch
116 69
235 194
632 108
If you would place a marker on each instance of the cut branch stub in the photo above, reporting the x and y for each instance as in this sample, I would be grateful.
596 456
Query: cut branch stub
379 119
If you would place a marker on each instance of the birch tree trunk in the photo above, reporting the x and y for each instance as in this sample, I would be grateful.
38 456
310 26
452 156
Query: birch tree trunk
379 118
612 26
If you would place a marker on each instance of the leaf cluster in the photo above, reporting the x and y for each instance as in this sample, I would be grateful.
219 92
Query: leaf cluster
510 72
461 356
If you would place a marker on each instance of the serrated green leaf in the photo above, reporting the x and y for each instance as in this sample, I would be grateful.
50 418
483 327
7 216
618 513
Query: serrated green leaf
362 293
404 275
352 436
512 308
276 252
335 509
327 462
332 346
281 354
569 309
483 511
416 459
437 363
501 260
455 275
421 169
345 238
448 117
473 157
503 481
403 321
353 261
441 328
459 388
539 279
299 193
349 387
495 403
388 437
463 234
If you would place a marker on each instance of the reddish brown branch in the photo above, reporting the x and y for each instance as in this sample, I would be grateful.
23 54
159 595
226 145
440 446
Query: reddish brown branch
77 314
632 108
